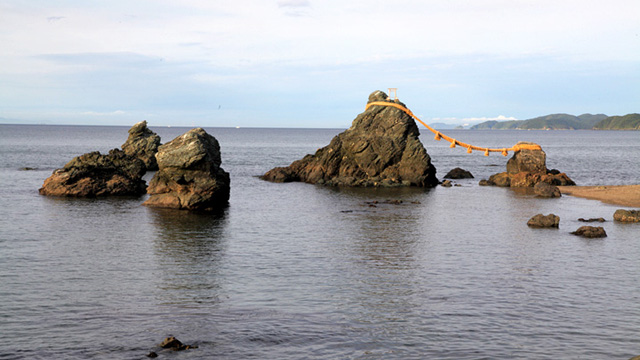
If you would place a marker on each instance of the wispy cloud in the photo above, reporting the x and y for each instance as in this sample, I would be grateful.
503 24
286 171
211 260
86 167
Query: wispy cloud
295 7
55 18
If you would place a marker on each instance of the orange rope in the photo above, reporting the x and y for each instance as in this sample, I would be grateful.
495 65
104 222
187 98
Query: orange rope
455 142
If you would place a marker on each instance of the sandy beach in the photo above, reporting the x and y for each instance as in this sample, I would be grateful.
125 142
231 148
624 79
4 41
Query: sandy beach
623 195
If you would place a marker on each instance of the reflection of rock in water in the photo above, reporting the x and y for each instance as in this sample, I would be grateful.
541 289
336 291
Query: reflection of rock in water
189 248
382 242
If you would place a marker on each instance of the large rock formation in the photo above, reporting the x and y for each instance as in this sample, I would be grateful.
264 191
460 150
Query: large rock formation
528 167
189 175
143 144
94 174
381 148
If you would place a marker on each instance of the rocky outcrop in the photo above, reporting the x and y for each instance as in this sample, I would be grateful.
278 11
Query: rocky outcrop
143 144
94 174
544 221
590 232
381 148
458 173
526 168
627 215
546 190
189 175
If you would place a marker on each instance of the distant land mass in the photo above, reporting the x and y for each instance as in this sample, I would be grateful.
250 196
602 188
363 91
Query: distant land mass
626 122
548 122
442 126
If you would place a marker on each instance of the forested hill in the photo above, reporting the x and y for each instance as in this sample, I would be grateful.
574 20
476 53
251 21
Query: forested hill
626 122
548 122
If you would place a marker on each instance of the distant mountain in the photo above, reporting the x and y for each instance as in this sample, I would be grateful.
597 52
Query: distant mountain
548 122
626 122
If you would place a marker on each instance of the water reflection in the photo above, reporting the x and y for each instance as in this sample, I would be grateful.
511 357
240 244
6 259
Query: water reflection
189 248
380 259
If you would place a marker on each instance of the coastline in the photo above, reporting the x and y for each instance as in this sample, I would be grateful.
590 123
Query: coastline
623 195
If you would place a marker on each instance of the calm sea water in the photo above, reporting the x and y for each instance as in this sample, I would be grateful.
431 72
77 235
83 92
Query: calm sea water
296 271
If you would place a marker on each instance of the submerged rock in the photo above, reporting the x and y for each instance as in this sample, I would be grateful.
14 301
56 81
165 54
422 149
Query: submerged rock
627 215
546 190
174 344
544 221
189 175
458 173
94 174
590 232
592 220
446 183
143 144
381 148
526 168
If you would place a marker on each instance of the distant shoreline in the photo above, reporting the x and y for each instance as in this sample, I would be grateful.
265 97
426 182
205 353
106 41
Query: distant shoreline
623 195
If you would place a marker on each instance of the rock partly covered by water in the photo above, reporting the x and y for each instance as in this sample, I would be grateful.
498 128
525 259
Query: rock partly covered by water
546 190
627 215
94 174
381 148
189 174
590 232
458 173
544 221
526 168
143 144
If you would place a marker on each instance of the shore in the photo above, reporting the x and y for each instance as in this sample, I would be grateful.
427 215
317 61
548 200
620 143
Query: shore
623 195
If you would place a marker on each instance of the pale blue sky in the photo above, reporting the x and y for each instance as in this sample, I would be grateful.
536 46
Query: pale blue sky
311 63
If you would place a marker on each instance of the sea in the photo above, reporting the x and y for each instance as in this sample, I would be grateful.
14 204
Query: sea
301 271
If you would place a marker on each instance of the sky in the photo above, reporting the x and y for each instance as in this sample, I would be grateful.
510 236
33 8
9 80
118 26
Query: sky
312 63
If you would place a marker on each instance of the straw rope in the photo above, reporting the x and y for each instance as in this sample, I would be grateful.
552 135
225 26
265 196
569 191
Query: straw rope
453 141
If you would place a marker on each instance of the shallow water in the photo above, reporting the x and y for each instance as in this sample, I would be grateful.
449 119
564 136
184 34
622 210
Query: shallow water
292 271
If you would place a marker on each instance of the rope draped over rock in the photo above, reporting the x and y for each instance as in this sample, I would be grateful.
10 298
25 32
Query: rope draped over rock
454 142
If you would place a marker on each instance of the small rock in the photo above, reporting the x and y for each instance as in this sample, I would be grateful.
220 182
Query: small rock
545 190
592 220
447 183
590 232
544 221
175 344
484 182
627 215
458 173
152 355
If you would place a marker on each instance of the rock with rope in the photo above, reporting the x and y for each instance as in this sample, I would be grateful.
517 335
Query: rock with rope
527 167
380 149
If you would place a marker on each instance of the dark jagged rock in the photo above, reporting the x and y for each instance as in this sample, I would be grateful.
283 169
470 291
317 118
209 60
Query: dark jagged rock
627 215
381 148
189 175
590 232
143 144
546 190
544 221
526 168
94 174
458 173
